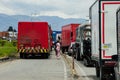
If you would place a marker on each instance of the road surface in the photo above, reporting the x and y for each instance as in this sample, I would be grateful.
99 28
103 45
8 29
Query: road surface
84 73
45 69
35 69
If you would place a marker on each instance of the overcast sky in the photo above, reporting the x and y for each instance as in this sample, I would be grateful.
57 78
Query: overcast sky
61 8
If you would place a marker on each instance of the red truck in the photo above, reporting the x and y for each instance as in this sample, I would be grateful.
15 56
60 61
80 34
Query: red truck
68 35
34 38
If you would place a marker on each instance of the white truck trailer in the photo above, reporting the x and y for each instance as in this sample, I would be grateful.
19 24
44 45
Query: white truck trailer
117 57
104 38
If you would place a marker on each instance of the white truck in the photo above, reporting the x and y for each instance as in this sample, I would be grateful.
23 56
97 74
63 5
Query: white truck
83 40
117 57
104 38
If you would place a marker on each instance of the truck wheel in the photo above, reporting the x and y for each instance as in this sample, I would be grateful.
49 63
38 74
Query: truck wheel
102 74
81 57
46 56
78 55
63 50
116 73
111 74
21 55
25 56
85 62
107 74
97 71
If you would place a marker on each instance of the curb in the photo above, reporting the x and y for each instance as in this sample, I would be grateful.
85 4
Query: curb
69 62
4 59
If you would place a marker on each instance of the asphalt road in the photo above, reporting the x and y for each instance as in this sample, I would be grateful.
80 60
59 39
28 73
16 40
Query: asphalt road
83 72
45 69
35 69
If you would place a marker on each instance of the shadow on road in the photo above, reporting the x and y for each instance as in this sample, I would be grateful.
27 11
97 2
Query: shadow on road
37 57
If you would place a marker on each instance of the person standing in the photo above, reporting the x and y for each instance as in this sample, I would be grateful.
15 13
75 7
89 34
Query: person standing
57 49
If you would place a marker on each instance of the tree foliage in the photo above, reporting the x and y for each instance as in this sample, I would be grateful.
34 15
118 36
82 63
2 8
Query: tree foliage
10 28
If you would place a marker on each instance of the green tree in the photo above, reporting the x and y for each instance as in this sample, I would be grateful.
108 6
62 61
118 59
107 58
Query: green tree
10 28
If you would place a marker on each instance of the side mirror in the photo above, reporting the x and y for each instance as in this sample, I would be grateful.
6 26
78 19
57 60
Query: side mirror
115 57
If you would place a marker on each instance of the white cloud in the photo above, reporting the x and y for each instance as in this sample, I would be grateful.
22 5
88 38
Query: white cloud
57 13
6 10
62 8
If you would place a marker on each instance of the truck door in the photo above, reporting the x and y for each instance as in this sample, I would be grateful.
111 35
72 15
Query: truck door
108 29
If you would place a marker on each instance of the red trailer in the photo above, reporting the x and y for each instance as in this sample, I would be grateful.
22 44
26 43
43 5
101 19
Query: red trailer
34 38
68 35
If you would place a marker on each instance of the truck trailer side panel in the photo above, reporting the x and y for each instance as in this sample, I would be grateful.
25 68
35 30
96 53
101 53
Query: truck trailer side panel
66 30
103 24
68 35
104 39
108 28
94 16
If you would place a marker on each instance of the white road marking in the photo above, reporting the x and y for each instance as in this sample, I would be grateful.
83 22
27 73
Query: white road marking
65 70
82 72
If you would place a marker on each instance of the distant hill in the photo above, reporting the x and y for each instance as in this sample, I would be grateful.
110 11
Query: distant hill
55 22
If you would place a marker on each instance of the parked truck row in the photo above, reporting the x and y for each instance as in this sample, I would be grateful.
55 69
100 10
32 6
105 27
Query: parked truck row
97 42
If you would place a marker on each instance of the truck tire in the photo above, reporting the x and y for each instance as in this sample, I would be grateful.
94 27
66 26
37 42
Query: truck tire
78 55
25 56
63 50
46 56
116 73
21 55
107 73
102 74
97 70
85 62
